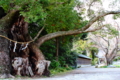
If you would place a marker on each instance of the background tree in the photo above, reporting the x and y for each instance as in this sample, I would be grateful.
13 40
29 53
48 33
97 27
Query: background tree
107 41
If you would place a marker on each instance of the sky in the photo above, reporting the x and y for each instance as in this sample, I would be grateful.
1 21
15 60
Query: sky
106 4
107 7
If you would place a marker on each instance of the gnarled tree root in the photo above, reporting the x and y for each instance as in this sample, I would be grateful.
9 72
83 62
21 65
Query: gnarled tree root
6 76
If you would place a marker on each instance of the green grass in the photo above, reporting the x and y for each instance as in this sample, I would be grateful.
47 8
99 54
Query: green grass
103 67
59 70
117 66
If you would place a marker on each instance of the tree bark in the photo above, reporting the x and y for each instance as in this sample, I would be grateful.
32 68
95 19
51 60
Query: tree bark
5 22
4 58
57 49
14 27
110 58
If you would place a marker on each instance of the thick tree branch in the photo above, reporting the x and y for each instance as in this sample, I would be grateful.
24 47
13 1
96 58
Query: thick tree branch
98 17
42 39
92 30
60 33
9 18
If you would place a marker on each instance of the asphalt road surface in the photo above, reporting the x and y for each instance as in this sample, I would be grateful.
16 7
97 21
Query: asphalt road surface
88 73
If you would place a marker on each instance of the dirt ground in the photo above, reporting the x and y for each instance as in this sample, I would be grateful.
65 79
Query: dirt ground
86 73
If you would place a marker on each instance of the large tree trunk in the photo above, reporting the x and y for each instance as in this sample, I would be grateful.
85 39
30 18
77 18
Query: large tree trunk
4 58
26 58
28 51
5 66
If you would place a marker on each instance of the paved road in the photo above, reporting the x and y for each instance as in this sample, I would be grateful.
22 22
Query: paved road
88 73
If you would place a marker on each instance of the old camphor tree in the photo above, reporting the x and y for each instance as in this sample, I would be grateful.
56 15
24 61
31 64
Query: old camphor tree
19 53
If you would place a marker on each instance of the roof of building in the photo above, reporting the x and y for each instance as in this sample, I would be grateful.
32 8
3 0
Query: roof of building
84 56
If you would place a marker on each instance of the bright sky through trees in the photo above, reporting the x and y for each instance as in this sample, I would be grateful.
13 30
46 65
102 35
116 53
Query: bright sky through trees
107 4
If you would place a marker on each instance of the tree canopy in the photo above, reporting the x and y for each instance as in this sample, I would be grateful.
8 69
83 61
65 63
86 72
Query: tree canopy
56 15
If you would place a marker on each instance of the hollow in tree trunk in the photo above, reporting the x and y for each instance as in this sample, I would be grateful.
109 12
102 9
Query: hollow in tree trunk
25 59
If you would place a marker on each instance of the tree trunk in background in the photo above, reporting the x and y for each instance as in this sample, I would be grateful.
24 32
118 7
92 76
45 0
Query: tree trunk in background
109 58
93 54
107 61
57 49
